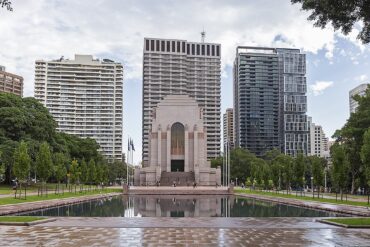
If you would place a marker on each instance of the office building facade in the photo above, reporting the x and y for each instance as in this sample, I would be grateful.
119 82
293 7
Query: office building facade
270 101
228 128
84 96
359 90
179 67
10 83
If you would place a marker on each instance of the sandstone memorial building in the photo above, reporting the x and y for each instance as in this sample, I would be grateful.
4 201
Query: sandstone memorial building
177 146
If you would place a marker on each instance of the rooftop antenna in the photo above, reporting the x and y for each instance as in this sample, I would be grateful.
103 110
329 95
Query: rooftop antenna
203 34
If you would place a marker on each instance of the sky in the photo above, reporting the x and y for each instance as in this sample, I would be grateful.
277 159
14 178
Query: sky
115 29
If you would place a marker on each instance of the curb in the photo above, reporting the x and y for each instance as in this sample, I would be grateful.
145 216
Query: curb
32 223
343 225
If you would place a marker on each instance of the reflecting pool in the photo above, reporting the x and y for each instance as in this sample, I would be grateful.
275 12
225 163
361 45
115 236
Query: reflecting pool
180 206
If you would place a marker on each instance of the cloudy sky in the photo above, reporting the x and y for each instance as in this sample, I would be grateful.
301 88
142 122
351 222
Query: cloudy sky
48 29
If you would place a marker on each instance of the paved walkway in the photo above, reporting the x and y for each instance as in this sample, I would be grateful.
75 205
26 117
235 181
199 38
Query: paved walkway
195 232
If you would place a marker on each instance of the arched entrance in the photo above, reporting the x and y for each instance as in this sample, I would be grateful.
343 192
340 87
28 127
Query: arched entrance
177 147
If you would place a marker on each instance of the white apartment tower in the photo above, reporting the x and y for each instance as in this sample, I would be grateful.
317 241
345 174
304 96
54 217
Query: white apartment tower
318 142
359 90
179 67
228 124
84 96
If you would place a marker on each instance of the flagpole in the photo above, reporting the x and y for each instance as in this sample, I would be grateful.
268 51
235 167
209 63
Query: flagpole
127 160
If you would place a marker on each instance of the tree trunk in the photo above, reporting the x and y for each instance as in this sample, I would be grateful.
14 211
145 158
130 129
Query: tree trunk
353 184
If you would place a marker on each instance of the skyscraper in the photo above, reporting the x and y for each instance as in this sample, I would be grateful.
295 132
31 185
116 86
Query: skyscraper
84 96
228 124
359 90
270 100
179 67
10 83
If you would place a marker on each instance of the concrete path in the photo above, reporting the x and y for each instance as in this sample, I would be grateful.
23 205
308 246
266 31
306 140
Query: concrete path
251 232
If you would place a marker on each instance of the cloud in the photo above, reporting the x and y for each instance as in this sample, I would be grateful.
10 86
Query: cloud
361 78
43 29
320 86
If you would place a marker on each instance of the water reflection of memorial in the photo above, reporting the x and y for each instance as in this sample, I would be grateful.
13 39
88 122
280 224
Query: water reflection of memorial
184 206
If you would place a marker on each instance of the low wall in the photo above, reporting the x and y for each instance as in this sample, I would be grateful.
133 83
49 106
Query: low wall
204 190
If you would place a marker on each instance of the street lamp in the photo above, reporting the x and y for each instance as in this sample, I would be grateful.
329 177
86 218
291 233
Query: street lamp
313 195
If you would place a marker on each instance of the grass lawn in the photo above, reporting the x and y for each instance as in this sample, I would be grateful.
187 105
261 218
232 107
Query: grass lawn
20 218
8 189
351 221
304 198
51 195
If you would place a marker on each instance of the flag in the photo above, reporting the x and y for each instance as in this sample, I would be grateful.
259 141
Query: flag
132 145
128 144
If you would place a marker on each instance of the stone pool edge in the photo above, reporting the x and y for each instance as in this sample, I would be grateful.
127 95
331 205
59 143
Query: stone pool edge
335 208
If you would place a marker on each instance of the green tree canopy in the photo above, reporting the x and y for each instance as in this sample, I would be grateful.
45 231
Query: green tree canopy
365 155
60 170
22 161
342 14
44 162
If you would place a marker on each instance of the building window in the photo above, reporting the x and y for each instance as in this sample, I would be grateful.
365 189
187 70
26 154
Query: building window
178 46
152 45
147 45
157 45
188 49
173 46
177 139
183 47
168 46
208 50
213 50
198 49
192 49
218 51
162 46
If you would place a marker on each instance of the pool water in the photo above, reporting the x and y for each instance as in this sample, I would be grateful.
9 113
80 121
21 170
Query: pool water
180 206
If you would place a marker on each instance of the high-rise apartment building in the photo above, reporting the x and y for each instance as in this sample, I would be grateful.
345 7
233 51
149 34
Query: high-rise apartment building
293 88
270 100
179 67
84 96
228 124
10 83
359 90
318 142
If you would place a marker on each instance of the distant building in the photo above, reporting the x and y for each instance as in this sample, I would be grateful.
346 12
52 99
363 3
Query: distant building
228 125
270 100
318 142
84 96
359 90
173 67
10 83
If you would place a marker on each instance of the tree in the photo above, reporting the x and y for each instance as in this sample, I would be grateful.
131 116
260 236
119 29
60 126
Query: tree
365 157
298 170
60 170
351 137
92 171
21 166
340 167
44 165
2 168
240 163
342 14
317 172
7 4
287 162
84 172
74 171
